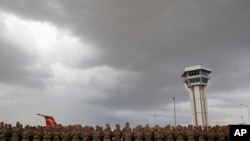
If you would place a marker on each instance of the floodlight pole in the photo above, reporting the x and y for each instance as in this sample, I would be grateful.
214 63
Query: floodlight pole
155 118
174 112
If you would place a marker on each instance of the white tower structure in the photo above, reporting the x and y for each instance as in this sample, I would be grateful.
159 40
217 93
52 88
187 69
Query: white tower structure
196 81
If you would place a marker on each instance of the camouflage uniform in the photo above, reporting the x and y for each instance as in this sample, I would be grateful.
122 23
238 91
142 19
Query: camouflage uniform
210 134
222 134
168 134
107 133
4 132
179 134
127 133
96 134
158 134
57 134
117 133
47 134
37 134
66 134
76 133
138 134
147 133
16 132
27 133
227 133
2 135
86 134
190 133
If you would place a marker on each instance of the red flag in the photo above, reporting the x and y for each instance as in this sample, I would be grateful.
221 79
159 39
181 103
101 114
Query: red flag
50 121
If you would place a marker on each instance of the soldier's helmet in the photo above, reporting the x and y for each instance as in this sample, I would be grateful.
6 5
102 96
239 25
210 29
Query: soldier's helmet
97 127
107 125
17 124
127 123
117 126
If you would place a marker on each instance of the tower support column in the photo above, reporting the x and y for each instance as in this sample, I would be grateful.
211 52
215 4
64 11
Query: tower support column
195 80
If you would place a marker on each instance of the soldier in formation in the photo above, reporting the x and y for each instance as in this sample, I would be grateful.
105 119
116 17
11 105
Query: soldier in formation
158 133
16 132
97 133
37 134
27 133
199 133
4 132
147 133
179 134
107 133
88 133
168 134
117 133
66 134
76 133
190 133
57 133
127 133
138 133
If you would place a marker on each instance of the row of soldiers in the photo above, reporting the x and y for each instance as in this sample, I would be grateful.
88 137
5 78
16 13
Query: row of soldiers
89 133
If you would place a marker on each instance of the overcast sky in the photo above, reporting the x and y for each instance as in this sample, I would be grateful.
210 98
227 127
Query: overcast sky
94 62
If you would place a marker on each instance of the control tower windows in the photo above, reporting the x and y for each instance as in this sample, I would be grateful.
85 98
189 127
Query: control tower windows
193 73
204 73
204 80
194 80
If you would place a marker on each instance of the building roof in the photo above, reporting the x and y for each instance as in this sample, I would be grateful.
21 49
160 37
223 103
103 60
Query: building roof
196 67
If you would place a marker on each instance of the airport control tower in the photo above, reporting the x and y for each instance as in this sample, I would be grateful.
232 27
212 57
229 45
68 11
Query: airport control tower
196 81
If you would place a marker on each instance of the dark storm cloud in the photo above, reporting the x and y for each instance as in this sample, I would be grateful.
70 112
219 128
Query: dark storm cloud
136 34
16 64
155 40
